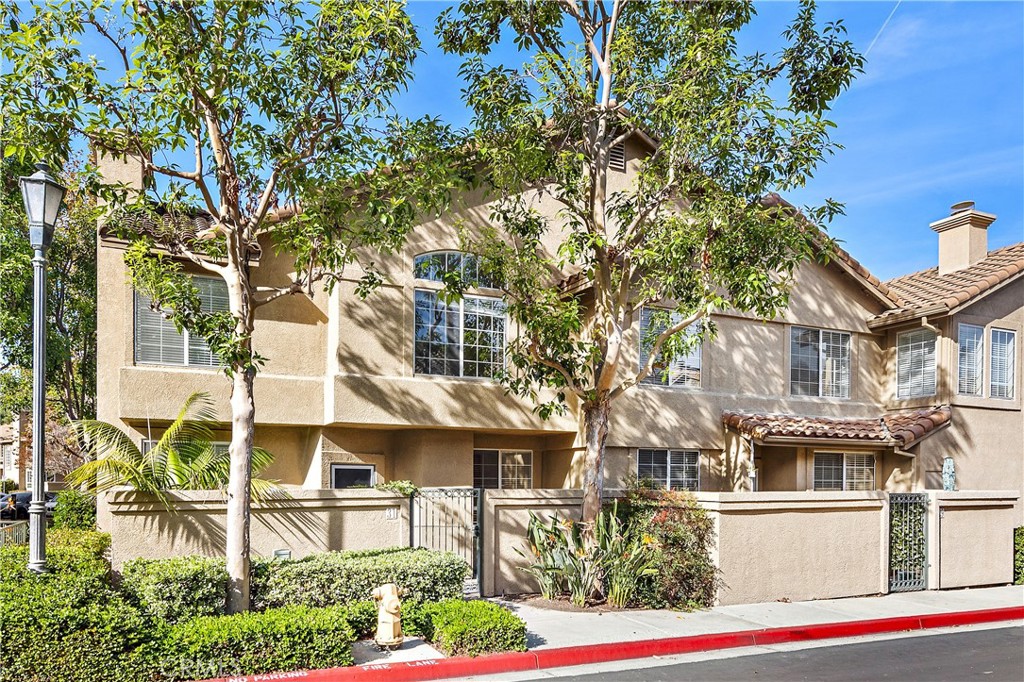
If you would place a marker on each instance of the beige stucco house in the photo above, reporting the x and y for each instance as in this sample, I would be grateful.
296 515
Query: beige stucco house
861 385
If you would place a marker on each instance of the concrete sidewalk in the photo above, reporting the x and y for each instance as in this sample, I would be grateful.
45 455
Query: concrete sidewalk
550 629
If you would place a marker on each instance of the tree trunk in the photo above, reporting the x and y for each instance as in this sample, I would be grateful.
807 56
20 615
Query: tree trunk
595 428
243 412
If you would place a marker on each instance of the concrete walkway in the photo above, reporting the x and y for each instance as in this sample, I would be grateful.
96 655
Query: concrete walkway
548 628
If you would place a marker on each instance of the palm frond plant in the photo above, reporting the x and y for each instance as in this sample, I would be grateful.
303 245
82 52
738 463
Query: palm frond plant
184 458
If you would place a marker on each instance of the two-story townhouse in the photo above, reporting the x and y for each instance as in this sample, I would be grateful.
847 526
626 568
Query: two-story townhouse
852 389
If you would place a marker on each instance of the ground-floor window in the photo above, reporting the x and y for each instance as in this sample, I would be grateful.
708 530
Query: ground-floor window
844 471
352 475
673 469
506 469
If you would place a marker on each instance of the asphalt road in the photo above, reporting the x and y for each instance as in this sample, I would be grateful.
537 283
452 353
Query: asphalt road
995 655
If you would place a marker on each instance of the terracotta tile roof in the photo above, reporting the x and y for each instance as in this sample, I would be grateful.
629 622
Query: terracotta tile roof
929 290
892 428
166 228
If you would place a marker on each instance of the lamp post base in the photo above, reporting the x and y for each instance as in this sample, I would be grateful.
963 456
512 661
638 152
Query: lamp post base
37 536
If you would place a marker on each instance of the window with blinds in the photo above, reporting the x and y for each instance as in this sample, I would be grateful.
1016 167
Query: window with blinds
836 471
672 469
503 469
1004 361
915 363
819 363
617 157
970 359
158 342
682 370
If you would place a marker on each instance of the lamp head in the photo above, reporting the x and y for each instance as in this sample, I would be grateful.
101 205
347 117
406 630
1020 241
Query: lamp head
43 196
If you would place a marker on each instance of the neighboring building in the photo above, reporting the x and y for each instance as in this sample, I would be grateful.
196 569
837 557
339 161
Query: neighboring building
860 385
15 449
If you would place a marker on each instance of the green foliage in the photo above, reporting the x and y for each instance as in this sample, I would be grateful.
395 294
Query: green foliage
1018 556
613 561
362 616
70 627
68 552
71 298
183 459
907 549
279 640
682 537
331 578
176 589
406 488
467 628
8 485
75 510
712 136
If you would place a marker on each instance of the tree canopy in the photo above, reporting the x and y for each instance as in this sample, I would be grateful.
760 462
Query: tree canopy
700 229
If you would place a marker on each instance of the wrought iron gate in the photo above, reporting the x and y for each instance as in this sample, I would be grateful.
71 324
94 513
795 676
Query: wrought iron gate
449 519
908 549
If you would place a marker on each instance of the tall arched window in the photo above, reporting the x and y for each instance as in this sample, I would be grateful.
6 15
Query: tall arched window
456 338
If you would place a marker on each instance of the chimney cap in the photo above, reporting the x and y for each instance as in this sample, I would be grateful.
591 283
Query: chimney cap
961 207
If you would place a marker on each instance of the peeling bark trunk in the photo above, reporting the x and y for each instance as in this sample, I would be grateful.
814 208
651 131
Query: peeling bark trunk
595 427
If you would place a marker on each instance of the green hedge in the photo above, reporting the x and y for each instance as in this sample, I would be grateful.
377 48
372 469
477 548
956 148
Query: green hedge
1018 556
75 510
71 628
279 640
466 628
343 577
177 589
67 552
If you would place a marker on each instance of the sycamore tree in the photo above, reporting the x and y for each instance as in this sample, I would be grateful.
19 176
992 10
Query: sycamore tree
699 230
261 126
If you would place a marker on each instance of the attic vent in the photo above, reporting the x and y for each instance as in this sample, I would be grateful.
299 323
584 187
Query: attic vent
617 157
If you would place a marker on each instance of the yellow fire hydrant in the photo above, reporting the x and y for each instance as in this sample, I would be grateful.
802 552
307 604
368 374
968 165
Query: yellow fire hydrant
389 616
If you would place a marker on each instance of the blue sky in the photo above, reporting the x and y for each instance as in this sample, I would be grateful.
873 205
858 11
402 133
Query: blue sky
937 118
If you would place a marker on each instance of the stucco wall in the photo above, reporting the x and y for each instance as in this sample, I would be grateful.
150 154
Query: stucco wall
975 537
834 544
310 521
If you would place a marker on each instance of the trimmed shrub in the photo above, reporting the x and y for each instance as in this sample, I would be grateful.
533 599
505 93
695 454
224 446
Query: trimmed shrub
342 577
77 552
467 628
75 510
362 616
177 589
8 485
71 628
279 640
1018 556
682 535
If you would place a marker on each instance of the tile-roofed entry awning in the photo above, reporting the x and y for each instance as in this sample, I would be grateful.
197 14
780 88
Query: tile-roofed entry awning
892 429
929 293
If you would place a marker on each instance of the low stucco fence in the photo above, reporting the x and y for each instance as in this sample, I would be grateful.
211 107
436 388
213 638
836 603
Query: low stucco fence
769 545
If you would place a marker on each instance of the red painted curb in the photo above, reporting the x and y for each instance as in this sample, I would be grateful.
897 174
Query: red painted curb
444 668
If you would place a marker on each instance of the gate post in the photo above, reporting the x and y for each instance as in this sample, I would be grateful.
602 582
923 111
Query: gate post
412 520
478 543
933 546
886 539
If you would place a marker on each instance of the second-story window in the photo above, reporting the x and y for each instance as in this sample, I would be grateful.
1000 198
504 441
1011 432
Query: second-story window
971 359
915 363
464 338
158 342
1004 362
819 363
683 370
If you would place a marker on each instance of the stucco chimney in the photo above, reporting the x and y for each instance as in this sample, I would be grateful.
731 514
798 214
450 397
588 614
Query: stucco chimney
127 169
963 237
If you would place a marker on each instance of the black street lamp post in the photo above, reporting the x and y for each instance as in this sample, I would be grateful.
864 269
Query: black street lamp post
43 196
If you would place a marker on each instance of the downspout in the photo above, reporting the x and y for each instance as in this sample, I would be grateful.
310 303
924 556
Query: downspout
751 471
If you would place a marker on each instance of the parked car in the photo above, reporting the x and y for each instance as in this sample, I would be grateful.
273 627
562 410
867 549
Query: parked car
21 502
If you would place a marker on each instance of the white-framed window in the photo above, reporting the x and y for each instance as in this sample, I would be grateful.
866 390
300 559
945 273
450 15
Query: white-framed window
220 446
158 342
503 469
8 455
1003 364
672 469
464 338
819 363
915 363
844 471
353 475
683 370
970 359
435 265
